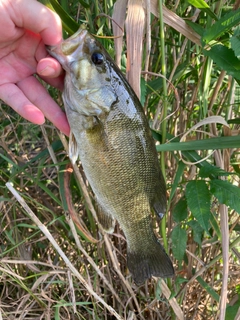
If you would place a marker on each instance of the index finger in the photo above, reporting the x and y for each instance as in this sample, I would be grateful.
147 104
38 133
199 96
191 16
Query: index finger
34 16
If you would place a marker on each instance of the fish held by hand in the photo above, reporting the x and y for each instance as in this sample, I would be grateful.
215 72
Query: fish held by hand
111 135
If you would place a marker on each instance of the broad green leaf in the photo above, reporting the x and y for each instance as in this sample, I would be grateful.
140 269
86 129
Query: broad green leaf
194 157
223 25
203 6
197 231
232 311
179 242
198 199
225 59
196 27
226 193
180 211
206 172
235 41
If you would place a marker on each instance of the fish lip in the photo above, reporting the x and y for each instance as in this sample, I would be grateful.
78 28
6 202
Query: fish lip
55 52
50 48
60 51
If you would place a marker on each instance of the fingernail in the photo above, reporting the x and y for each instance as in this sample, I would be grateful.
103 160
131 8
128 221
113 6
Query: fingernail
47 72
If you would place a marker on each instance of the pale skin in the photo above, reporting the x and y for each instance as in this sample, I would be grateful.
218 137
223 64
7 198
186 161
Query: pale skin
26 27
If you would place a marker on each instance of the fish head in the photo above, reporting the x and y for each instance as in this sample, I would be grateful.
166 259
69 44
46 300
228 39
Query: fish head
87 89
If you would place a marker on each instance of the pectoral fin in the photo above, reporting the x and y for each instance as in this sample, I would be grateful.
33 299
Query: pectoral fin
159 210
159 204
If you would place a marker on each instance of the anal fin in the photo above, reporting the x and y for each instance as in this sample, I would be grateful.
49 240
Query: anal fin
105 219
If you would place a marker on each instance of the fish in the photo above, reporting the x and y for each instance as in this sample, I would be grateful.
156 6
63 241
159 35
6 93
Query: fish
111 135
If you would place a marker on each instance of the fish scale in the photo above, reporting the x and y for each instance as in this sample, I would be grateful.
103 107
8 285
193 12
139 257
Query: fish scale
116 149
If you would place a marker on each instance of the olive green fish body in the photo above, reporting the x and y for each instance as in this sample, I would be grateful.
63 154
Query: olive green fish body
116 149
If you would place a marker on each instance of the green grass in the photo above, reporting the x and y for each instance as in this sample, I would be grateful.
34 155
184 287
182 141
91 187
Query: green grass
201 231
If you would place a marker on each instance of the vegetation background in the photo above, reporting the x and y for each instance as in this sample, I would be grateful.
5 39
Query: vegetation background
182 59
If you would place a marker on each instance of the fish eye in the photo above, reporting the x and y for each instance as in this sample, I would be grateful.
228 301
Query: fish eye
97 58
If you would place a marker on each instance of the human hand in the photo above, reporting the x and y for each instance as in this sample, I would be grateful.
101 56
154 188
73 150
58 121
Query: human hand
26 27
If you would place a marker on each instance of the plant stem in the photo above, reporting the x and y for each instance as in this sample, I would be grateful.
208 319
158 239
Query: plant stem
164 123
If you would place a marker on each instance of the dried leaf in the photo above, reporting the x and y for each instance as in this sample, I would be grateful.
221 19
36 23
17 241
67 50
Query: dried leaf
135 25
208 120
119 13
174 21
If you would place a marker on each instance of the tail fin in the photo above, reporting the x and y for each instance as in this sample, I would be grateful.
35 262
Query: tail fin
146 263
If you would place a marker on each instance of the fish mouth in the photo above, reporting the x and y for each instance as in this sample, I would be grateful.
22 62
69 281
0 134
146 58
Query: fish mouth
56 52
68 47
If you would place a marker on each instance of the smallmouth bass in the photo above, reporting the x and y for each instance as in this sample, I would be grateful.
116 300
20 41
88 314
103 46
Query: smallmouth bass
111 135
